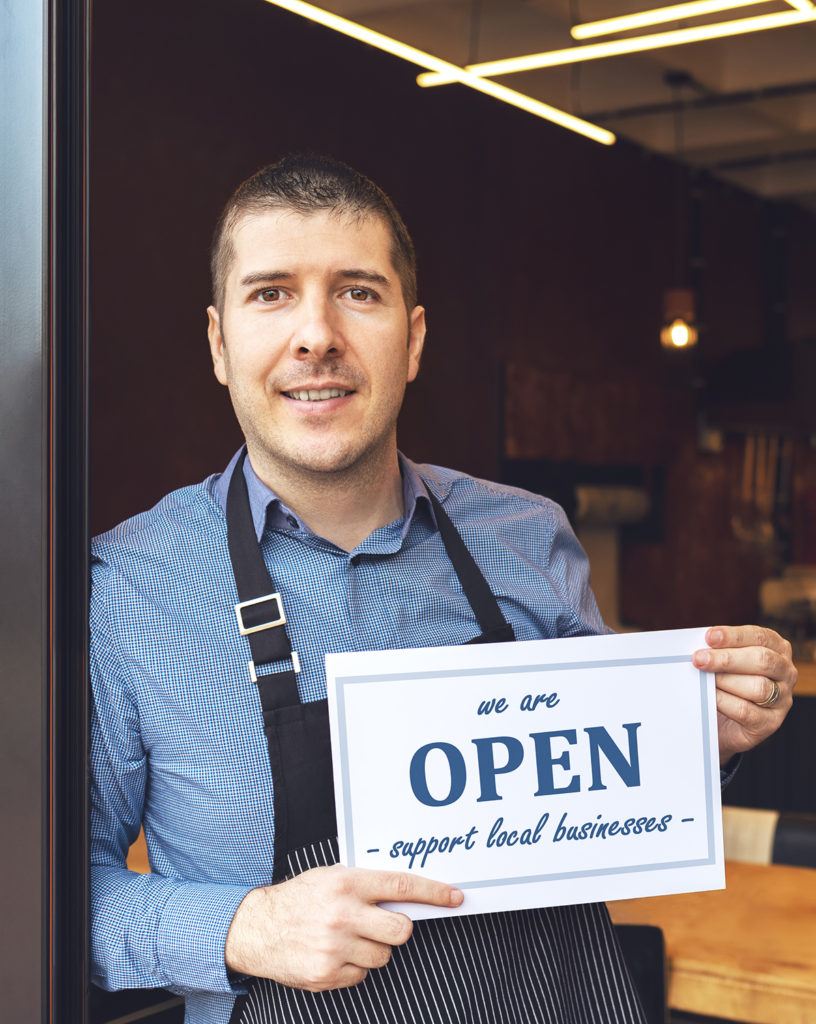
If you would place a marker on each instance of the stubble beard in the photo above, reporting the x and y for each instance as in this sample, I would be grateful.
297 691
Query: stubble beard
318 464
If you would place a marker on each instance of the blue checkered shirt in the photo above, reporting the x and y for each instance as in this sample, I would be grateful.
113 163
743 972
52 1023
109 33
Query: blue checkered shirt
177 738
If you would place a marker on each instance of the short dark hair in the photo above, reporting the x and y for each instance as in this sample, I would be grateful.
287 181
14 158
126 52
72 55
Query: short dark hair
306 184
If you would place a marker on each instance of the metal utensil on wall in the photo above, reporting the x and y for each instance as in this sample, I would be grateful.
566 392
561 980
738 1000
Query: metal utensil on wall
753 518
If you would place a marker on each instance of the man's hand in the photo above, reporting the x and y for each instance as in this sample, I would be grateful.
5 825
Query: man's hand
323 929
749 662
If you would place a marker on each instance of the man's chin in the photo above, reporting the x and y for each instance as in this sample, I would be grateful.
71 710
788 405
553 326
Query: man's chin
323 462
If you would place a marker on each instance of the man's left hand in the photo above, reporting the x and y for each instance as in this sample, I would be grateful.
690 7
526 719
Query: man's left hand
749 663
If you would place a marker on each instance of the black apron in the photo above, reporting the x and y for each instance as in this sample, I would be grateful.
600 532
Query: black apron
556 965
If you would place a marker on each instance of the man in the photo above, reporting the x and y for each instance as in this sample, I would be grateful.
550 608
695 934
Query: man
211 615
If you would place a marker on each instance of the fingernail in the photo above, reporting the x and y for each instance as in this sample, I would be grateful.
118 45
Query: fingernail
715 636
702 658
456 897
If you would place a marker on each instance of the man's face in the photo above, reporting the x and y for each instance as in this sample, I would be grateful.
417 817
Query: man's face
314 342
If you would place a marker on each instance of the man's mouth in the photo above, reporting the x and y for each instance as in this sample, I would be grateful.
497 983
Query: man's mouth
316 395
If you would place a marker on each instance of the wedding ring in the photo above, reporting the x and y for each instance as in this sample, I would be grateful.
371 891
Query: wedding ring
770 701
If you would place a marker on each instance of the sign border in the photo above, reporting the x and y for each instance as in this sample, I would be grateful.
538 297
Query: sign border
341 682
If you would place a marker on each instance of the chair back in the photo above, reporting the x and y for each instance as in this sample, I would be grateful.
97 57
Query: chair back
769 837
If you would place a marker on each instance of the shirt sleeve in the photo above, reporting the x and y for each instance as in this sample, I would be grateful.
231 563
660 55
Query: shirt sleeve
146 930
568 570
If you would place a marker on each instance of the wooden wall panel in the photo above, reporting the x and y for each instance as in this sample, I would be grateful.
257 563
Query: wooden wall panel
591 418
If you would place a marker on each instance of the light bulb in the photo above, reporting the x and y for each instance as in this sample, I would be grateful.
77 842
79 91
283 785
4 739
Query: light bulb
678 334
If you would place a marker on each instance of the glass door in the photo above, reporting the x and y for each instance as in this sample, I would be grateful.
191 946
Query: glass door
43 508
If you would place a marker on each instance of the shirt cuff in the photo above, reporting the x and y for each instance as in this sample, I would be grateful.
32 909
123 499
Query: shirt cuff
193 935
729 770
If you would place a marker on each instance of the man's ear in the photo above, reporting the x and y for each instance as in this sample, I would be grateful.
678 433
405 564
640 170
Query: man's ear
416 340
216 344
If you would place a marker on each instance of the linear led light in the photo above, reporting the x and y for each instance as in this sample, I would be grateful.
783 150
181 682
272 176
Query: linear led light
801 5
451 72
613 47
676 12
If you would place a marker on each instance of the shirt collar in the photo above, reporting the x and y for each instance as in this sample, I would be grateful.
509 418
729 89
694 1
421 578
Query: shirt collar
269 512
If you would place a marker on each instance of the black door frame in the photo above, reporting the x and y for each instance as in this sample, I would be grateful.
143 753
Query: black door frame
44 508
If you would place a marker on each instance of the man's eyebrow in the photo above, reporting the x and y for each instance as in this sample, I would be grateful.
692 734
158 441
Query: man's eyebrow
265 276
365 275
270 276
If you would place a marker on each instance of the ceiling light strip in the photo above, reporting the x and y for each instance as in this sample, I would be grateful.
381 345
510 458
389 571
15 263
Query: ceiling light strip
451 72
802 5
658 16
614 47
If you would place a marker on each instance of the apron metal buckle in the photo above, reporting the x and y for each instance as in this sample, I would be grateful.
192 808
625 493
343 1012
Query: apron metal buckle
245 630
253 675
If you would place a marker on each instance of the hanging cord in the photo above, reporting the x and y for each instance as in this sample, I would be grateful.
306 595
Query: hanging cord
475 31
575 68
676 81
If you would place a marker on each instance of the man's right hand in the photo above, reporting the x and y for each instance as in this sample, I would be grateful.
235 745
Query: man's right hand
323 928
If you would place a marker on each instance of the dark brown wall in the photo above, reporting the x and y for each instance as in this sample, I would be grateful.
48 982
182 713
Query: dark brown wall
535 247
189 98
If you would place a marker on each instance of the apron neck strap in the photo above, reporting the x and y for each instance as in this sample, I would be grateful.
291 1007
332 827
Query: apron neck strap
476 588
260 612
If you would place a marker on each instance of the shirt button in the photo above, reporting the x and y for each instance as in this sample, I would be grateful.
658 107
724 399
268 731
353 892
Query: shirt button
292 522
355 559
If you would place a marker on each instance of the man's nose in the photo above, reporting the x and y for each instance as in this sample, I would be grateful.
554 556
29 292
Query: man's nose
317 334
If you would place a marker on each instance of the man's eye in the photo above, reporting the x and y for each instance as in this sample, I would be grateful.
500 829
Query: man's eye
360 294
270 295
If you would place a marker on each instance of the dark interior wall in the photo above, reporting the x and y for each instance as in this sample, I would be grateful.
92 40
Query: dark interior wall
532 242
535 247
189 98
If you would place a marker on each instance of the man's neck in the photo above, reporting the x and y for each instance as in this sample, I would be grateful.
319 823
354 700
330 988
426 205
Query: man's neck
343 508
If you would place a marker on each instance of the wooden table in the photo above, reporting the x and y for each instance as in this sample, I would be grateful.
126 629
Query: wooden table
746 953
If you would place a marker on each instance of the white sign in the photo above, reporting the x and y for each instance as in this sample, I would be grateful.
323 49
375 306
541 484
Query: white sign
531 774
